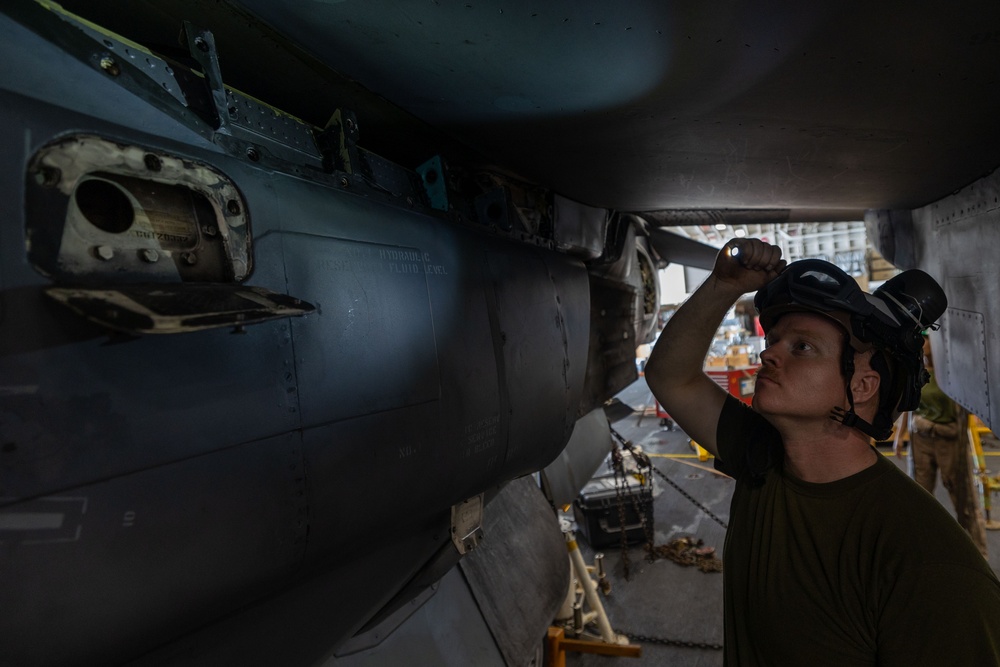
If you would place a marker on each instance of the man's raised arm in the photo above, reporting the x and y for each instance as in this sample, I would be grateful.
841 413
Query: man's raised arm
674 370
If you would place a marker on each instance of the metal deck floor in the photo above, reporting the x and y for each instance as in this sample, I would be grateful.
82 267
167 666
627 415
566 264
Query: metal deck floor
664 599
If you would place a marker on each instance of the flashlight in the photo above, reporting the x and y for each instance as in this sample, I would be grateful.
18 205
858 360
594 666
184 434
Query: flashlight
735 253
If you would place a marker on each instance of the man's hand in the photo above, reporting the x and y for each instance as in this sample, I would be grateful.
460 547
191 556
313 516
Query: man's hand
746 265
674 371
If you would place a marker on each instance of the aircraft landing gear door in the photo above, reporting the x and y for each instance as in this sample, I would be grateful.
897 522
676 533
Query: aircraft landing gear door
142 241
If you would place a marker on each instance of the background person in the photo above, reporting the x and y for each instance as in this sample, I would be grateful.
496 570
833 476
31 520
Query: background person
939 441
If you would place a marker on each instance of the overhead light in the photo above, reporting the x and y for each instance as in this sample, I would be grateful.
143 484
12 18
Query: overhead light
741 232
720 226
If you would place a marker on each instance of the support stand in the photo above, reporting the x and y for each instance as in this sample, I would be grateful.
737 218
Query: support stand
607 642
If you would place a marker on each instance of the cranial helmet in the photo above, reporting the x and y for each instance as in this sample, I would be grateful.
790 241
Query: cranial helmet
889 321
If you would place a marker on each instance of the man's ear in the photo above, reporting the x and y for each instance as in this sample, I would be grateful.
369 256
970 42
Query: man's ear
865 385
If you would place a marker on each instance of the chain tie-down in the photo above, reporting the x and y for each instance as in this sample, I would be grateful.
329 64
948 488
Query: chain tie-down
685 550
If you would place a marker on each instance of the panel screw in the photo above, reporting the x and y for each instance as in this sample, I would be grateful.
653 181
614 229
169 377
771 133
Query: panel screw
209 230
109 65
253 154
104 252
47 177
149 255
190 258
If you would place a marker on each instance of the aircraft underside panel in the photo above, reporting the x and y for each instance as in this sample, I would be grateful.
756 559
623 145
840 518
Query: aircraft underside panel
447 631
370 293
955 240
255 484
466 618
309 617
114 567
528 546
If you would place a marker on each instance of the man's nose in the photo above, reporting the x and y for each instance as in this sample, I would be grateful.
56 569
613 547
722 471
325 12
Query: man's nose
768 356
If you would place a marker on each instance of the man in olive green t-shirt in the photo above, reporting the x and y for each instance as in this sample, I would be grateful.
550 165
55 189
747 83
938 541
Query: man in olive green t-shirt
938 441
833 556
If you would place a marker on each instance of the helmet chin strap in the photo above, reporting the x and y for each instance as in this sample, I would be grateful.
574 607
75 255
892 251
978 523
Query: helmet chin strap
849 417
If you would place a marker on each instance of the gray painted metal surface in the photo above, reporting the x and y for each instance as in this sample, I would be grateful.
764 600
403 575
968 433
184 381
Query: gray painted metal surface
955 240
523 577
587 448
173 480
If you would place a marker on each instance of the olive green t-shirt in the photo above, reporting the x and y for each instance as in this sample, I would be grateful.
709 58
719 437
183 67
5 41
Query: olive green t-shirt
935 405
866 570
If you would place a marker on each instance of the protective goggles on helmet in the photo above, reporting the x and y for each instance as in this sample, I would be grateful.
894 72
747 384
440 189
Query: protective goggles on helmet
909 302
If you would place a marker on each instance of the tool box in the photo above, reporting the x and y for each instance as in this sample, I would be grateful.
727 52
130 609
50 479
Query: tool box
598 516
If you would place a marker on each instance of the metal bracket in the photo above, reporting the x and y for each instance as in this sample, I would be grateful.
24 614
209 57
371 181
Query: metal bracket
201 44
244 126
467 524
178 308
338 142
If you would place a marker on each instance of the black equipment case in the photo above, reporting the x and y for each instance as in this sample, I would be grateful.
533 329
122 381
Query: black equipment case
598 516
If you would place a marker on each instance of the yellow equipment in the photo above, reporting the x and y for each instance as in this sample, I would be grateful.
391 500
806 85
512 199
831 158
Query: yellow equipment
987 485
